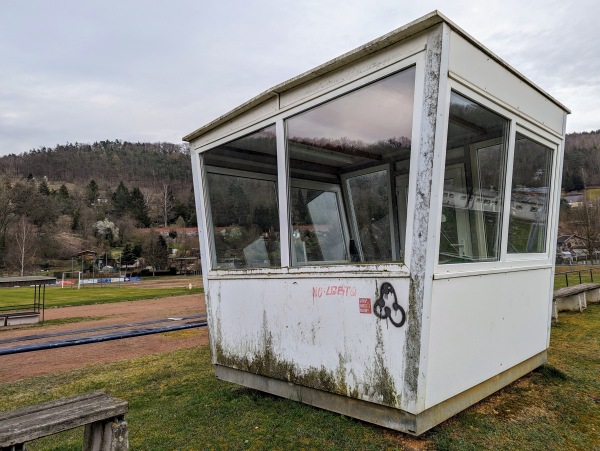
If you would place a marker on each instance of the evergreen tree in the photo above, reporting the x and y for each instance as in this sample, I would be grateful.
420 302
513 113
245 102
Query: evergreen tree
92 192
138 208
63 192
128 256
75 219
44 189
121 200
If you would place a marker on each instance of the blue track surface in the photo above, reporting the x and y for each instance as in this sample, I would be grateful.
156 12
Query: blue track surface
133 330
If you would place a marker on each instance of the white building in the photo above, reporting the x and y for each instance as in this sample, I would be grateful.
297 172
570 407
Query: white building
378 234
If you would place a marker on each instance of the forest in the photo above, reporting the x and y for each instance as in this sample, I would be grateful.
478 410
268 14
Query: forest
56 202
104 196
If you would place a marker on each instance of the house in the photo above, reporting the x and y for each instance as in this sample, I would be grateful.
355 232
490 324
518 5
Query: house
571 248
573 200
87 255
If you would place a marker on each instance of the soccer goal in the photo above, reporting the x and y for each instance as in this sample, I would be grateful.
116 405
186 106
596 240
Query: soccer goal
70 280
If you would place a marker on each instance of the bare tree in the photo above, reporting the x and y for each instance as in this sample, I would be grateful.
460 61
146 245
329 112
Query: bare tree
167 204
6 216
23 245
154 250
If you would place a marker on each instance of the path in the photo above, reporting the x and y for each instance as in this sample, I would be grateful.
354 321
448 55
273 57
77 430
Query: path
19 366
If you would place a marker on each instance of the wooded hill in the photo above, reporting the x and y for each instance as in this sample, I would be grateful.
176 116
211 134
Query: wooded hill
56 202
150 165
107 162
582 160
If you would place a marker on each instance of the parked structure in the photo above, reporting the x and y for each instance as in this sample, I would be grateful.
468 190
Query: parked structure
378 234
13 313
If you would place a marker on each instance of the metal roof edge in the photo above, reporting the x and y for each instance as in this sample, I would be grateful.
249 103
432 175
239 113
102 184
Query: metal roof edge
417 26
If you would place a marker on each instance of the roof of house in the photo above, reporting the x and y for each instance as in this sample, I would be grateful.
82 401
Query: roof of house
573 198
564 238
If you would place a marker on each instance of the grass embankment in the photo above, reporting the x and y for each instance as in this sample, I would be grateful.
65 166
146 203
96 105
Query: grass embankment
176 403
67 297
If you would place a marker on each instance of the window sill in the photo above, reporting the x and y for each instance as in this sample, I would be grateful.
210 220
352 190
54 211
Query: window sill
313 272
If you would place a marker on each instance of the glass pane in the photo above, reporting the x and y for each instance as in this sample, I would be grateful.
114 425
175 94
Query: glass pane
317 234
370 203
366 128
245 215
530 196
473 183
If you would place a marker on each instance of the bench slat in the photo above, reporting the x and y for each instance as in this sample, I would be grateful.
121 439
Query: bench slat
47 405
33 422
574 289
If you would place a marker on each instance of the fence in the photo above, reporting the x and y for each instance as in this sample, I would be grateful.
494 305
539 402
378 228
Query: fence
576 276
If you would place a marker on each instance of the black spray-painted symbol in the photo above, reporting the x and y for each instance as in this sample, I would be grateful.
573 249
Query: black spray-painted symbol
381 310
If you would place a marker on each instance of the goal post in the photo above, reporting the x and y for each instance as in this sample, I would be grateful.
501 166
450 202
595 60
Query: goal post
77 273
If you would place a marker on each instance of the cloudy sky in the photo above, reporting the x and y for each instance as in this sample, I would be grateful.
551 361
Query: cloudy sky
149 70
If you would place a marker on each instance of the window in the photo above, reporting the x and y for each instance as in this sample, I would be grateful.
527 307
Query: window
369 197
358 138
530 196
242 191
317 234
474 183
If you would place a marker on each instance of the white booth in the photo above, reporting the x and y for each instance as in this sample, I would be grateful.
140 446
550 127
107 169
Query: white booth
378 233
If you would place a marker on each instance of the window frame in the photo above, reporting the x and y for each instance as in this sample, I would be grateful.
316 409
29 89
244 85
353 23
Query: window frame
518 123
343 217
388 167
415 59
554 148
209 235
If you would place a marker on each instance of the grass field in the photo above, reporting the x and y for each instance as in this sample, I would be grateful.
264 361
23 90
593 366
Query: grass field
560 279
63 297
176 403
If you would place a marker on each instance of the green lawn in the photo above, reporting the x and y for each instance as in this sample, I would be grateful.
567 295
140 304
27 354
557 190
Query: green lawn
176 403
63 297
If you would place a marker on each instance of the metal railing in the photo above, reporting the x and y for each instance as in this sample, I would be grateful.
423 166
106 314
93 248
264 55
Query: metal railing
579 276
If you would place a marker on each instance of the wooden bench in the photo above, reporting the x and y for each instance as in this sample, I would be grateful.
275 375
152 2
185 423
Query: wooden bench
102 415
575 297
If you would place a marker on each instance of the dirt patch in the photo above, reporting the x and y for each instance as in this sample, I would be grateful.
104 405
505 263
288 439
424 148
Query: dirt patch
27 364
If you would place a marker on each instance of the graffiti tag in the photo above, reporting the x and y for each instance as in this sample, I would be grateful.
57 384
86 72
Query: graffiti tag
333 290
387 294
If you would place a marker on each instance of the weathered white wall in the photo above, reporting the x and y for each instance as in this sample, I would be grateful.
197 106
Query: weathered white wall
468 64
305 331
483 325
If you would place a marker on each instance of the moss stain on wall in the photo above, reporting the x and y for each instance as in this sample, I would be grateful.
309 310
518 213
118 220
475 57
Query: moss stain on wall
264 361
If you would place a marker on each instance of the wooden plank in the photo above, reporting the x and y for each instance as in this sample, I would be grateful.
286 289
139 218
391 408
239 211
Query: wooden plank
33 422
57 402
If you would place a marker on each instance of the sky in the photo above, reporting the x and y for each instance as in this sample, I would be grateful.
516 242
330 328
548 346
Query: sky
149 70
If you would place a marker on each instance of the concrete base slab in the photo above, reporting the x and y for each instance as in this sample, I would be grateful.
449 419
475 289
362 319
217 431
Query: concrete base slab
389 417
